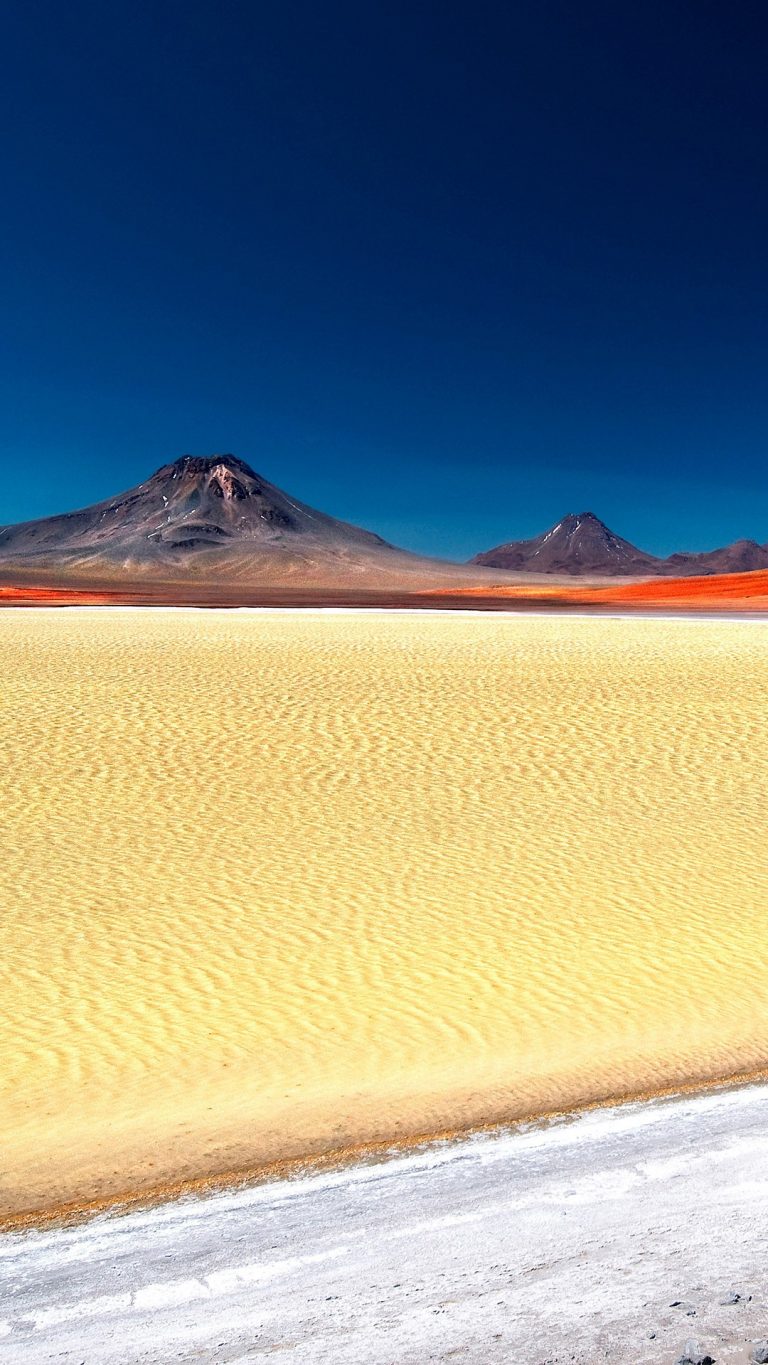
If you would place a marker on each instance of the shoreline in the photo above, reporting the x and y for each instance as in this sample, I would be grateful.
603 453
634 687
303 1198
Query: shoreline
362 1154
617 1233
758 616
496 608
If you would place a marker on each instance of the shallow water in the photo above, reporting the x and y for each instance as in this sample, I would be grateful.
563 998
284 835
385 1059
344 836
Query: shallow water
277 882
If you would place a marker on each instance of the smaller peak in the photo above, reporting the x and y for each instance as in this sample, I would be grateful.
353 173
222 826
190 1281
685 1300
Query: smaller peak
572 519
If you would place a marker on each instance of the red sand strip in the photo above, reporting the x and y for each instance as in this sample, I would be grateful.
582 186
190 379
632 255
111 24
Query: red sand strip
29 596
737 591
746 591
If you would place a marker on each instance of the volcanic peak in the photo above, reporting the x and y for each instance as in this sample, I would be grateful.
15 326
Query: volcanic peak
578 544
572 520
212 517
581 544
204 464
225 476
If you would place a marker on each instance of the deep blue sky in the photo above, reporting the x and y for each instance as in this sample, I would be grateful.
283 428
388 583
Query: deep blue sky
446 269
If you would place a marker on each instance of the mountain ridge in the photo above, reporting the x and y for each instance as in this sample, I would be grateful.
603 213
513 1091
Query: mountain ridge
213 519
582 544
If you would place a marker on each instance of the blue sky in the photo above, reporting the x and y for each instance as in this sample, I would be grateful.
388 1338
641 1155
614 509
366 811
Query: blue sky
447 270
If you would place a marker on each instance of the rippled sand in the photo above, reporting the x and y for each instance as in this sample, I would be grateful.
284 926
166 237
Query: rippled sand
274 882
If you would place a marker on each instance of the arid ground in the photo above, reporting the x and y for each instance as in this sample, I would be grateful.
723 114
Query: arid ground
276 883
610 1237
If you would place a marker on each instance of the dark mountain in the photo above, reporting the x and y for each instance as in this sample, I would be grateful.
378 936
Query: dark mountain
576 545
584 546
189 505
741 557
209 520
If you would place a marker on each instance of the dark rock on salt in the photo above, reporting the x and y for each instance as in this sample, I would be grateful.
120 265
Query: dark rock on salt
694 1355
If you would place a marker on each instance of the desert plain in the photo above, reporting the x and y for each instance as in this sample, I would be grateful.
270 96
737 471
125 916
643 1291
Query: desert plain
283 884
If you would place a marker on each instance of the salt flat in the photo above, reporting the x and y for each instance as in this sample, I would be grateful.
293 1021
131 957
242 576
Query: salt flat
614 1237
275 883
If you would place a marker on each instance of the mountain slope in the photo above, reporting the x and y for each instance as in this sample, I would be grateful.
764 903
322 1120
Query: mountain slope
187 505
583 545
208 520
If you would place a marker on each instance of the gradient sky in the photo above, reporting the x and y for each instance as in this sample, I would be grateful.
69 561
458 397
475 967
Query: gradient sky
449 270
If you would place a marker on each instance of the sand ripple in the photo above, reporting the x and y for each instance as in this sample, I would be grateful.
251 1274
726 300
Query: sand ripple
272 882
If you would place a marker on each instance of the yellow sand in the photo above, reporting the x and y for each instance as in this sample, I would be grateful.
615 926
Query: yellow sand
273 883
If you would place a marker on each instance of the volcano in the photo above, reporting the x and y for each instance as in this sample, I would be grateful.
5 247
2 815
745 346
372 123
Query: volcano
208 521
583 546
576 545
192 505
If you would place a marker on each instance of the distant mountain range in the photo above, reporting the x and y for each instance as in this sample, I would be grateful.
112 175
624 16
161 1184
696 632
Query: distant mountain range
583 545
211 521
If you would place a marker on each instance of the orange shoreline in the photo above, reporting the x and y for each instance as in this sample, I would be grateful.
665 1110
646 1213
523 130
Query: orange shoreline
746 590
717 592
